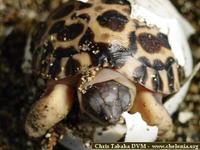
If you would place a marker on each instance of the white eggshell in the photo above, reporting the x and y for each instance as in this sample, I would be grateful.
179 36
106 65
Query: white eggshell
138 130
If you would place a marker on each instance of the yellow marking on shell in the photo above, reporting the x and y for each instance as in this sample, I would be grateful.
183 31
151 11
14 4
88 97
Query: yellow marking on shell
163 76
63 64
129 67
52 38
176 77
83 58
74 42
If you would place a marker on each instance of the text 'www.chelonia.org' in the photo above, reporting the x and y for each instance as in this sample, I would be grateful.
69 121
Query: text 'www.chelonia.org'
147 146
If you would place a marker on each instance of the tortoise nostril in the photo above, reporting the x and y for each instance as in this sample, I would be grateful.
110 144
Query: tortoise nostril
107 100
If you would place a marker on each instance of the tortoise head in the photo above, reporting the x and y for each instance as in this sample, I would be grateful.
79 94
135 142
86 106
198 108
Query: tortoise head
108 95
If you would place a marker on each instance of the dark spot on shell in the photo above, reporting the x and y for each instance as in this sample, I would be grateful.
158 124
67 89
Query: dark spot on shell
71 67
140 74
157 82
82 5
170 76
81 16
164 40
102 57
87 37
57 26
113 20
181 74
149 42
49 66
45 51
170 73
55 68
119 2
48 48
63 11
138 25
87 41
145 61
61 52
158 64
70 32
132 44
169 62
84 17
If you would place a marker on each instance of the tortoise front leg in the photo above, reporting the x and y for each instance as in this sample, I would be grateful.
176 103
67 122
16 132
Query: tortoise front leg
153 112
52 107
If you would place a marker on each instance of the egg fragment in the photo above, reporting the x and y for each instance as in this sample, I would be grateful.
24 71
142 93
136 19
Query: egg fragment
141 132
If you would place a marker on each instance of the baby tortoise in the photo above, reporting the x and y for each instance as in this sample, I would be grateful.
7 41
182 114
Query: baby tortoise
114 62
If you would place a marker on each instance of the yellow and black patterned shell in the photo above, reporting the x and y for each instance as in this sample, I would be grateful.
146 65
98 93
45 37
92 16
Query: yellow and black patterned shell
101 33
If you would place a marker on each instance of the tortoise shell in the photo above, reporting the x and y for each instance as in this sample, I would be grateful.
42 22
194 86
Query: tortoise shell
101 33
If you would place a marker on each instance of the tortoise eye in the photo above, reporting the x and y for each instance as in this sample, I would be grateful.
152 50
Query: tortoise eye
107 100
